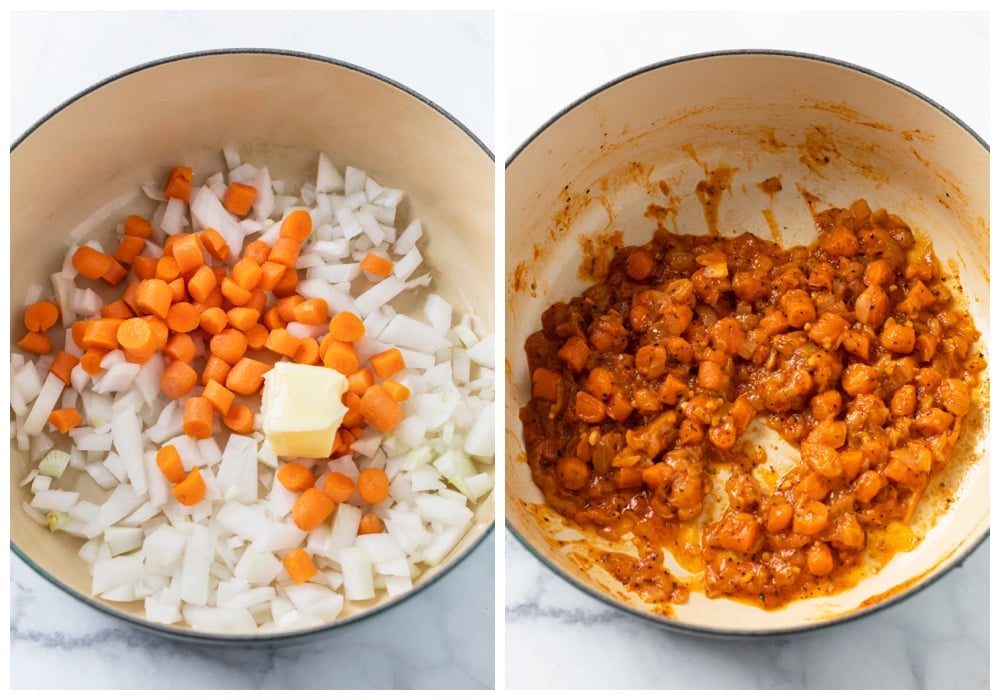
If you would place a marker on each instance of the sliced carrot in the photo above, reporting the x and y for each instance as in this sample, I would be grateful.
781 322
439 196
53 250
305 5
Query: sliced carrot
153 296
78 329
137 339
179 183
168 245
258 301
380 410
168 459
338 487
215 244
182 318
213 320
41 316
400 392
91 361
63 365
285 251
313 312
270 274
144 267
288 284
160 330
198 413
239 198
65 419
167 269
257 251
387 362
117 309
299 566
346 327
220 397
229 345
308 352
234 292
178 379
239 419
137 226
376 265
243 318
101 333
180 347
341 357
115 274
191 490
129 248
373 485
201 283
129 296
246 273
358 382
272 319
286 307
296 226
311 508
246 376
91 263
215 368
370 524
295 476
282 342
256 336
178 292
188 253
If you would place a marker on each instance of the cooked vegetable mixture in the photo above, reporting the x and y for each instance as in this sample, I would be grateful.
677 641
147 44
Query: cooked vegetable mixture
852 349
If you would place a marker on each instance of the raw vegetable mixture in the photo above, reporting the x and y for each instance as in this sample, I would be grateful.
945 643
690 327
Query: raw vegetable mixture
139 380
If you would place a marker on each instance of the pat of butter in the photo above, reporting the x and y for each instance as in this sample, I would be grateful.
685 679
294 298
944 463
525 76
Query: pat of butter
302 409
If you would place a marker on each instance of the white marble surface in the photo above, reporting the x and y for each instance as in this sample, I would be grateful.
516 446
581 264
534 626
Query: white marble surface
443 638
558 637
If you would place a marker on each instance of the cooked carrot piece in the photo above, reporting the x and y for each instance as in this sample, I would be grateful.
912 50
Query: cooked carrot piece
144 267
296 226
180 347
182 318
167 269
129 248
220 397
178 293
346 327
246 273
286 307
160 330
215 368
117 309
312 312
308 352
63 364
137 226
246 376
270 274
178 379
373 485
341 357
387 363
380 410
91 361
285 251
256 336
311 508
400 392
91 263
574 353
213 320
229 345
168 459
198 413
41 316
353 418
545 384
168 245
338 487
370 524
239 198
234 292
295 476
191 490
282 342
78 329
101 333
129 297
376 265
65 419
239 419
179 183
153 296
137 339
243 318
187 252
288 284
258 301
215 244
358 382
257 251
115 274
299 566
272 319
